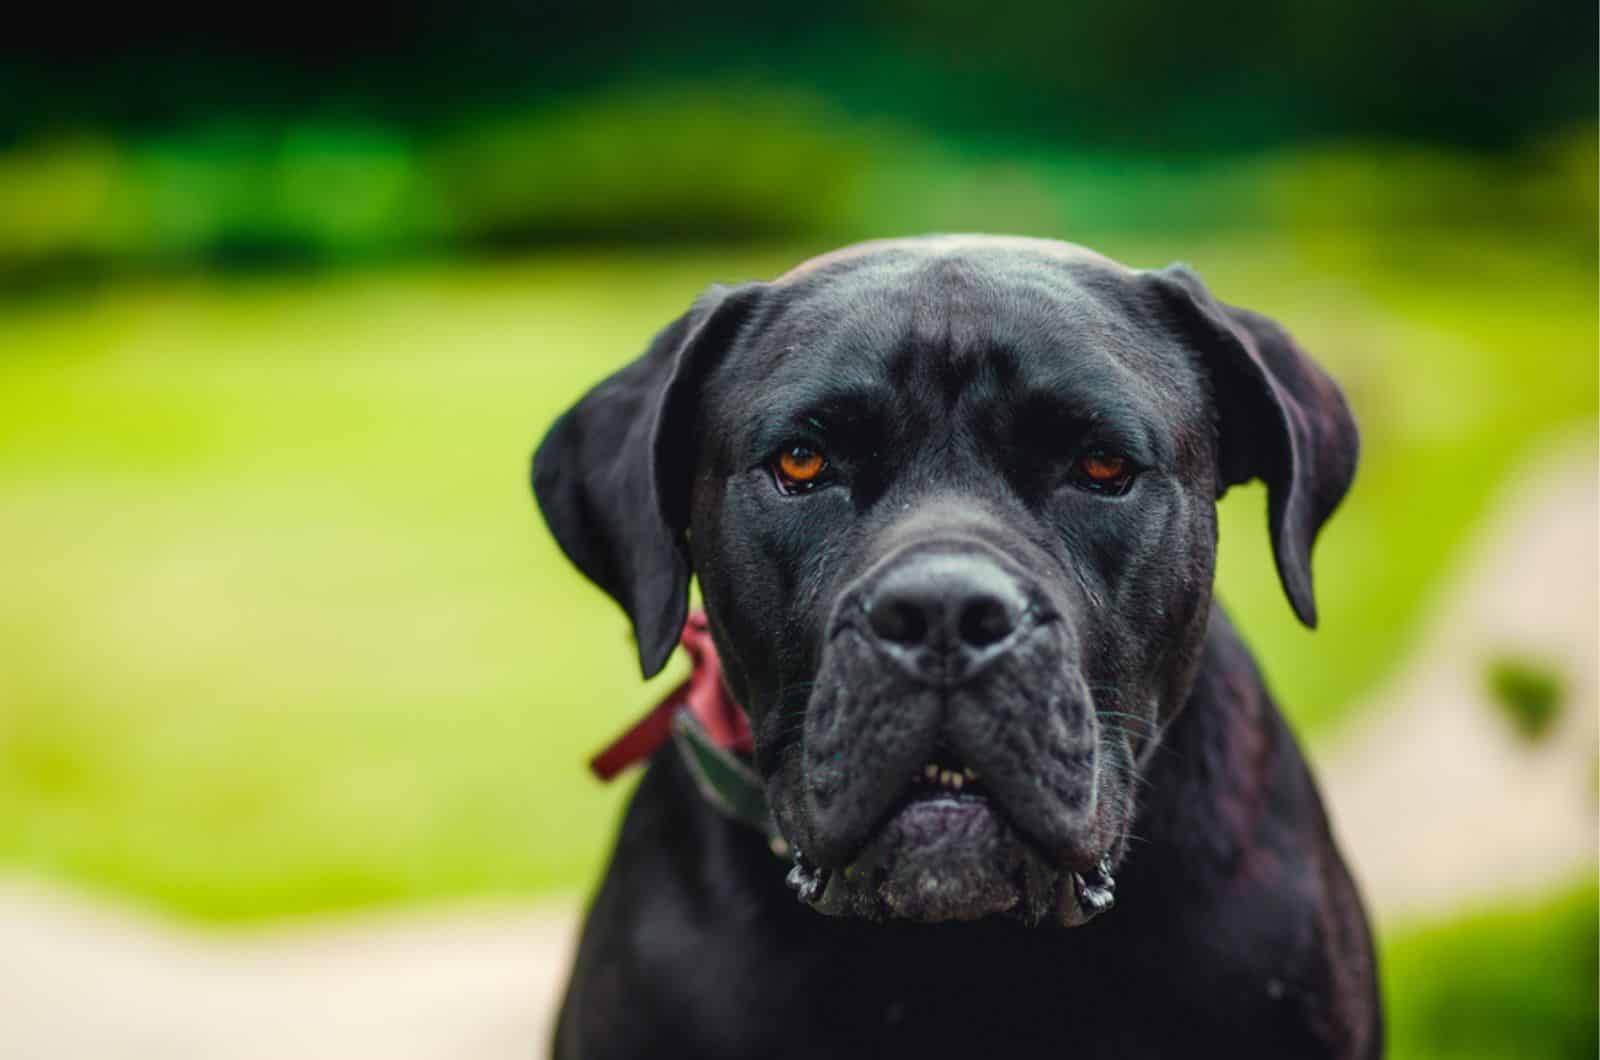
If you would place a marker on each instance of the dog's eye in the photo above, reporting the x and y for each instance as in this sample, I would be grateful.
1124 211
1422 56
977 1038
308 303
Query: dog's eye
1101 472
799 468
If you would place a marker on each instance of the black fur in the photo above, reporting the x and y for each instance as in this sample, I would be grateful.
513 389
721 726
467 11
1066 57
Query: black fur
1061 643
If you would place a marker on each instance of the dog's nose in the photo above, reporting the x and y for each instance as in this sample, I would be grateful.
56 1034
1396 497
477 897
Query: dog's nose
943 615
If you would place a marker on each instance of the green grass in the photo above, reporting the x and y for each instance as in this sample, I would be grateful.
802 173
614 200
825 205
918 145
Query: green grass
1498 985
284 632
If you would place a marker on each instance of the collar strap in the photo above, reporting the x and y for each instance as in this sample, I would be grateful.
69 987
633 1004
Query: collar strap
711 733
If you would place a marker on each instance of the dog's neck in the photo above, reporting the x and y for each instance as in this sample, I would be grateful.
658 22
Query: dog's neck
1210 781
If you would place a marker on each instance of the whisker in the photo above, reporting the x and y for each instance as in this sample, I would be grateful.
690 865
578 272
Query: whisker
1146 725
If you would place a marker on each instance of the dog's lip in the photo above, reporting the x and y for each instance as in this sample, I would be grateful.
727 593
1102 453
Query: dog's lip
1081 893
968 800
965 783
963 790
965 787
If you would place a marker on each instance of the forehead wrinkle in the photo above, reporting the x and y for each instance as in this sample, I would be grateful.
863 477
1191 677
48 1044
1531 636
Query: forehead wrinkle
1094 325
792 393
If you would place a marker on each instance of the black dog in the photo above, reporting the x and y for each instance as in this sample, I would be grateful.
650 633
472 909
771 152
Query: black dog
951 503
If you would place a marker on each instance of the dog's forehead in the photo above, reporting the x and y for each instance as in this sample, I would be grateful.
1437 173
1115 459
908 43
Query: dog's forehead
937 306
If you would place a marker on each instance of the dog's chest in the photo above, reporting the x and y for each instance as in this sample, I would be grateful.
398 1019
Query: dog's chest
1061 996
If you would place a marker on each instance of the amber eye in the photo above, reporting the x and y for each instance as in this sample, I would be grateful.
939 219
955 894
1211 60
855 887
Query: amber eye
1102 472
800 468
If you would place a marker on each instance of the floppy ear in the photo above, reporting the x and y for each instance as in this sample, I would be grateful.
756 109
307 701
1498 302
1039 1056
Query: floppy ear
1280 419
613 474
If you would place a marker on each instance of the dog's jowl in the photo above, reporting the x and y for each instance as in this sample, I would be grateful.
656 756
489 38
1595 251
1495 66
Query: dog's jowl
1012 786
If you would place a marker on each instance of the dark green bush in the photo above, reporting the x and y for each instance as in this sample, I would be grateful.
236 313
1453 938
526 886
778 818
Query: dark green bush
1530 693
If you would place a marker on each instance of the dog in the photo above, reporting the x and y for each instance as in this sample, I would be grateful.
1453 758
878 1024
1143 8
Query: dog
951 504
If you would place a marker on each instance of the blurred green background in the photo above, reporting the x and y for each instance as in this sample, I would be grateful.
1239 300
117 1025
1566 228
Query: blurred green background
284 308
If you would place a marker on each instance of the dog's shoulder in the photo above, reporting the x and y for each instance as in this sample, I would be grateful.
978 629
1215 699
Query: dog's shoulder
1232 811
682 932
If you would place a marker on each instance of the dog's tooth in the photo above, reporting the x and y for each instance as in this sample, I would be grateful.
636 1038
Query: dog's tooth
955 781
969 774
930 771
947 778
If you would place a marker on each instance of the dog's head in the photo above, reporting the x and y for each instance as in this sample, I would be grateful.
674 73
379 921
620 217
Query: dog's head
951 502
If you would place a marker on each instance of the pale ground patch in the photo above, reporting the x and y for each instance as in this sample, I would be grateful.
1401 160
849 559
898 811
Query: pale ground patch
1434 800
80 980
1435 803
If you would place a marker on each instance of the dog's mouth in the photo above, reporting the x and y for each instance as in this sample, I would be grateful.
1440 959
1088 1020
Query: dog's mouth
933 801
946 851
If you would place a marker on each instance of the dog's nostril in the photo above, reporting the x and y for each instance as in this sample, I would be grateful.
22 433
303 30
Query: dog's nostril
900 621
984 621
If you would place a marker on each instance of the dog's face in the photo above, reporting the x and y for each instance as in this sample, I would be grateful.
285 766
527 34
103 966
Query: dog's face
951 503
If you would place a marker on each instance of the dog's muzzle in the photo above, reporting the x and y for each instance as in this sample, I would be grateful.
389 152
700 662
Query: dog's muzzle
949 758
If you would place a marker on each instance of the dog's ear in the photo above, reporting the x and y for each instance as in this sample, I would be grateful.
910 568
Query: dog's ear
1280 419
613 474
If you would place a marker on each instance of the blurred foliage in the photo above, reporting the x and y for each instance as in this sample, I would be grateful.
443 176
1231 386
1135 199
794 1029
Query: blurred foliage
1499 985
1529 692
728 163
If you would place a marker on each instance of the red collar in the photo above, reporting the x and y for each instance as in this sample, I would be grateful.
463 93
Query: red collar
703 695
